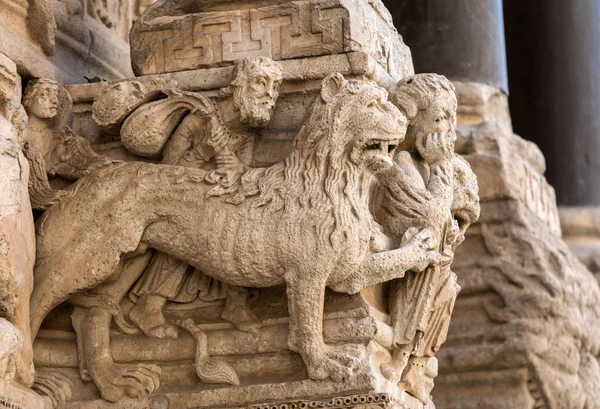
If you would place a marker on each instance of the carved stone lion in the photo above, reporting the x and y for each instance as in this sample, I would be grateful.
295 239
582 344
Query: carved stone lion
304 222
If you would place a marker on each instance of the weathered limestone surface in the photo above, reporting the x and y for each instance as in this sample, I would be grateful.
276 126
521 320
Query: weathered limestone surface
264 357
176 36
221 252
581 231
524 327
16 396
268 217
17 243
67 40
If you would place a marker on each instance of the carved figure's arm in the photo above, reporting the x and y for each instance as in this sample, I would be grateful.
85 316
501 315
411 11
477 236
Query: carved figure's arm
405 197
438 151
180 149
418 250
200 137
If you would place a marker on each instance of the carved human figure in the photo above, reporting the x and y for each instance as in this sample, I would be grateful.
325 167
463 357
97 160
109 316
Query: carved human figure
201 141
421 191
421 368
245 106
56 154
303 222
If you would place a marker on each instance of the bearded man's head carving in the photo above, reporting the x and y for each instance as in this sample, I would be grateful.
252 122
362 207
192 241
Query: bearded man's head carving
255 88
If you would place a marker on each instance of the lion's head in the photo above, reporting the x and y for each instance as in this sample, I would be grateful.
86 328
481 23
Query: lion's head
353 121
350 133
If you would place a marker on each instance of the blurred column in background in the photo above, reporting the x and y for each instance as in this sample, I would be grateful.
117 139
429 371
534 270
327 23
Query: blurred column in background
461 39
554 55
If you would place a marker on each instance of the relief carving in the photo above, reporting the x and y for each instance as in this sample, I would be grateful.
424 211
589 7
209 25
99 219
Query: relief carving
429 187
175 36
204 140
304 222
56 154
281 31
17 246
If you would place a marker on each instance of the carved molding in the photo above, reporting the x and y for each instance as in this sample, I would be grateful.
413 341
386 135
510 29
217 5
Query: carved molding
16 397
281 31
285 31
362 401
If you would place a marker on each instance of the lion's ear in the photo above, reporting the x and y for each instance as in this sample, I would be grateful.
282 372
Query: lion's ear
331 85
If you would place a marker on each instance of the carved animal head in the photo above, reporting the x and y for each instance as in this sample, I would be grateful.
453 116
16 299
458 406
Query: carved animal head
351 132
353 122
429 103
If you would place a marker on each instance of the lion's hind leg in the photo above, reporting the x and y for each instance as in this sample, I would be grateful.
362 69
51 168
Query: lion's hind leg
92 319
305 303
115 381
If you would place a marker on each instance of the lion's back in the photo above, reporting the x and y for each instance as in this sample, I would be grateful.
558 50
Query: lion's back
88 210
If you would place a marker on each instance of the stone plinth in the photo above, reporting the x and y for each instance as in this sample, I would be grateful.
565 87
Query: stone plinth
13 396
176 36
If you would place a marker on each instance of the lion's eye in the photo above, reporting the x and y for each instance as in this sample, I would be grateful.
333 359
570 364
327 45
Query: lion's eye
373 104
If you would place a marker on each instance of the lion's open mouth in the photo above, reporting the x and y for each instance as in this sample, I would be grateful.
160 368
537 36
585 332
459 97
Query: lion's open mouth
377 153
381 146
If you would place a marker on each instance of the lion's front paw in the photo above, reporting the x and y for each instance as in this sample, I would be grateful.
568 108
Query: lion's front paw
337 363
423 245
117 382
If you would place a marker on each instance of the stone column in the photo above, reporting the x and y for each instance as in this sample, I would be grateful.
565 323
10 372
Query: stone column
555 93
461 39
556 104
513 263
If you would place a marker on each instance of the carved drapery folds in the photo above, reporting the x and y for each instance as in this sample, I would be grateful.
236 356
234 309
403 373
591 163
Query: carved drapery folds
17 251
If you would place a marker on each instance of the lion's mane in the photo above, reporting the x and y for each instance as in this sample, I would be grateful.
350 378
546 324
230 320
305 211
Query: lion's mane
318 173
